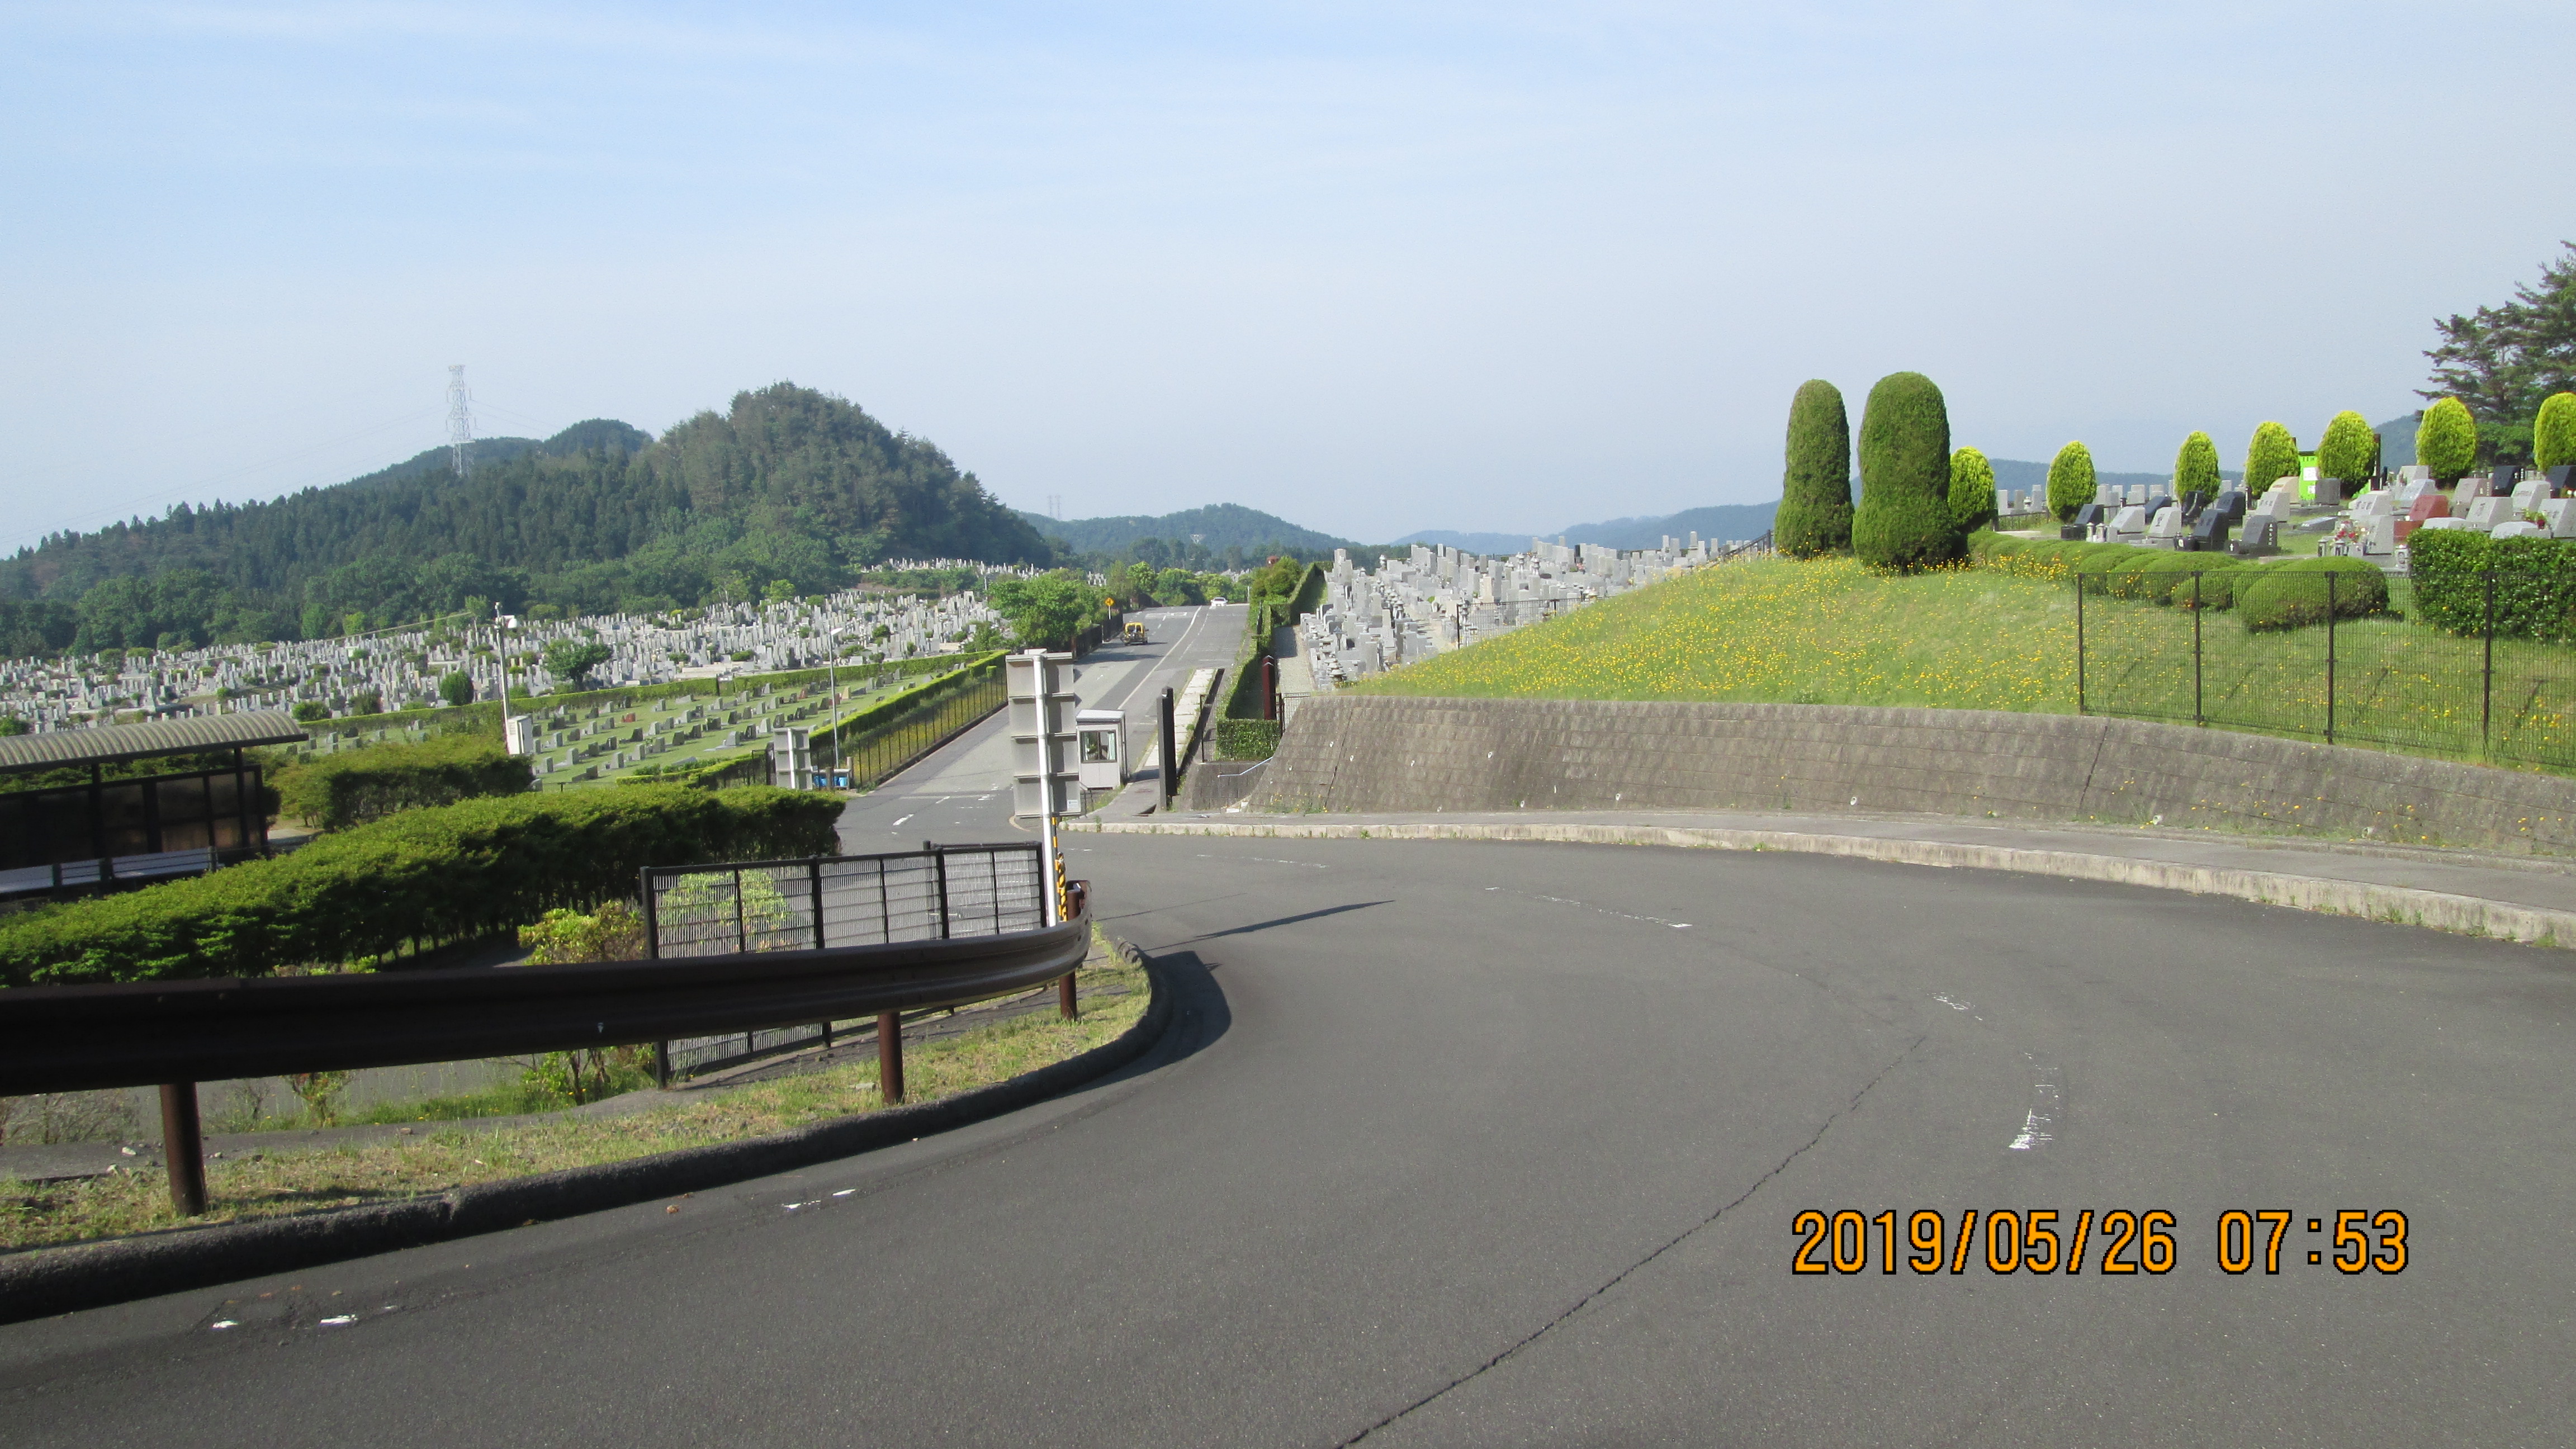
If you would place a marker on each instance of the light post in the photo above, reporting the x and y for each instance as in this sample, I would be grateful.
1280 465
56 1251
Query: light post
832 674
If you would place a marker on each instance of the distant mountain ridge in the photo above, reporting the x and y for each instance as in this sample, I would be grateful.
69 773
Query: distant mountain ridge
1216 527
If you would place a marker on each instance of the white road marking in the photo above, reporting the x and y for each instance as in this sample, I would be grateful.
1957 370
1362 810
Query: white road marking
1587 905
898 824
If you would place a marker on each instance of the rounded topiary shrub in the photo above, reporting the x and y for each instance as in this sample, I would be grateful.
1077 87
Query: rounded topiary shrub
1815 514
2350 450
2447 440
2272 455
1903 521
1972 490
2196 468
2071 483
2219 575
2553 431
2295 595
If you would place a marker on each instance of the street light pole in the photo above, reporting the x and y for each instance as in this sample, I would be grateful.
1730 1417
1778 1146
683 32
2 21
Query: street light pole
832 673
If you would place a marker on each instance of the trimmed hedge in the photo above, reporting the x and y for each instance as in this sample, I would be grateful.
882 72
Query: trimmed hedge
1972 490
2071 481
356 786
2302 592
2271 455
424 877
2196 468
2553 431
1815 513
2118 570
2535 586
2350 450
1247 739
2447 440
1903 521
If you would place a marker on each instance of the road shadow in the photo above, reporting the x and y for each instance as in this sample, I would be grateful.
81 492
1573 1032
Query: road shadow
1277 922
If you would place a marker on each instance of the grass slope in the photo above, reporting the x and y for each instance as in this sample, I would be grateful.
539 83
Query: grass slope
1833 632
1828 632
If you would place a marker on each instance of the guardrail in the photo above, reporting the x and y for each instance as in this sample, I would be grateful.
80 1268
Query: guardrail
177 1034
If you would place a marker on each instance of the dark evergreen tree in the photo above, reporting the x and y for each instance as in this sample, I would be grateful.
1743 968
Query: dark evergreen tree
1815 514
1903 521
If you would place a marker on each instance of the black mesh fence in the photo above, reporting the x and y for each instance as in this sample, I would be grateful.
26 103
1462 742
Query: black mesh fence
2333 665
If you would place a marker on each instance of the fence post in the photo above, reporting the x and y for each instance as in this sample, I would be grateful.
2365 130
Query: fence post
1171 751
2486 678
2079 643
741 927
2197 717
653 952
890 1056
939 858
183 1146
1064 997
814 880
2330 659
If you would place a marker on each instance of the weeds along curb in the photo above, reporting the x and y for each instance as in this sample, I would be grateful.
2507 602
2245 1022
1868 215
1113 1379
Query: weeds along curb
2401 905
41 1282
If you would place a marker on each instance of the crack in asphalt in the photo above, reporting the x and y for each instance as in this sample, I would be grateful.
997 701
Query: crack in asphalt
1624 1274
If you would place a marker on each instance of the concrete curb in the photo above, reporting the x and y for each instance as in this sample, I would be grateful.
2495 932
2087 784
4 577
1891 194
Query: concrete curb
41 1282
2403 905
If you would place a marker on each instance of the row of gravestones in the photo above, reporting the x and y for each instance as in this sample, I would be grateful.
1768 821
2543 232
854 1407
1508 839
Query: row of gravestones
2379 524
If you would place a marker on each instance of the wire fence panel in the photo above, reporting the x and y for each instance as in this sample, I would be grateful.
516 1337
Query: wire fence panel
854 900
2144 651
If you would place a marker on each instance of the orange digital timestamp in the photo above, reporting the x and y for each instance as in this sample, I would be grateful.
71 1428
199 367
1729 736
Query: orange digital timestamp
2114 1242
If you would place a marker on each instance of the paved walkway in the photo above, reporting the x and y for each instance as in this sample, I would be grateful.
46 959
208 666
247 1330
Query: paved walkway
2515 898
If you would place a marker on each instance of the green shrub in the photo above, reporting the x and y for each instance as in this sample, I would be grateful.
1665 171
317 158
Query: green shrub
2272 455
2196 468
1972 490
2350 450
1903 521
2553 431
2447 440
1247 739
2071 483
1815 513
2220 573
2296 594
353 787
453 873
2535 585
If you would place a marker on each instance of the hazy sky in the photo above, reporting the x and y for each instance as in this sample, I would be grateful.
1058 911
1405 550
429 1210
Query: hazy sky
1372 267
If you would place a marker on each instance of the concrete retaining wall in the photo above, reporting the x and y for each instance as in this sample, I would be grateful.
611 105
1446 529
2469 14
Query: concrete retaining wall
1377 753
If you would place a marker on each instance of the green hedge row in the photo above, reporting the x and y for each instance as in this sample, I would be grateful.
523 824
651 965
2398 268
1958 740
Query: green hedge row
484 716
2283 595
424 877
1247 739
2535 583
355 786
752 766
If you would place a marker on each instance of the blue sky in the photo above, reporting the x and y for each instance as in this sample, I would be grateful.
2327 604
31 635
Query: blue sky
1375 268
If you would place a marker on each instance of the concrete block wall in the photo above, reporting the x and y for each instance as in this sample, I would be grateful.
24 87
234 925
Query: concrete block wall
1376 753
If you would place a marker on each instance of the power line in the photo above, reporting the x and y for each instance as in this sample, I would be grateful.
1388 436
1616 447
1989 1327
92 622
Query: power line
460 424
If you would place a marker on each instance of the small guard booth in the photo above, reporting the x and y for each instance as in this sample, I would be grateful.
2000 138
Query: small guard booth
1101 748
72 836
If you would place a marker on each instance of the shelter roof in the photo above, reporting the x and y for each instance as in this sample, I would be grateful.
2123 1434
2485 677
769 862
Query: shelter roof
108 744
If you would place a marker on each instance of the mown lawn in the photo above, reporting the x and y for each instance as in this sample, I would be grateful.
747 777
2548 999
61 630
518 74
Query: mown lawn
1833 632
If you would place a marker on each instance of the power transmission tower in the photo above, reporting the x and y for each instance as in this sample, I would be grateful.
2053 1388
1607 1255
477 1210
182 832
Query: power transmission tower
1055 507
460 423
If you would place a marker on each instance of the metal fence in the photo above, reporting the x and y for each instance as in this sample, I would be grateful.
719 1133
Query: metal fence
940 893
873 753
2482 693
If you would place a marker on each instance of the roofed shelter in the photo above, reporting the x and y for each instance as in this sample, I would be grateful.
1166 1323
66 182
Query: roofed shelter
64 839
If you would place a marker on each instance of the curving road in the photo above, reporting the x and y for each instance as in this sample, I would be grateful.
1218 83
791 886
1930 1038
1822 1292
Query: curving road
1488 1144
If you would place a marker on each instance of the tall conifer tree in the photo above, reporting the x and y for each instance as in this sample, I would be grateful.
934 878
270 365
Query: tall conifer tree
1903 521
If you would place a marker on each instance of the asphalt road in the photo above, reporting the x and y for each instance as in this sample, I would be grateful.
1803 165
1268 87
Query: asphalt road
1484 1144
962 795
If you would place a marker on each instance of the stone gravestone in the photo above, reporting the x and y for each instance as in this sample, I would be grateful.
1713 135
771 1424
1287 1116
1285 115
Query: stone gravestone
2427 506
2471 488
2561 478
2107 494
2086 519
2261 536
2519 528
2379 535
2561 513
2127 526
2208 531
2485 513
2527 495
2164 530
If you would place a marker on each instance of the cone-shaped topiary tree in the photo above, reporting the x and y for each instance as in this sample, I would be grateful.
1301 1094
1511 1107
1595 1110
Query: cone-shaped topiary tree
2350 450
2196 468
1815 514
1972 490
2070 480
2271 456
1903 521
2553 432
2447 440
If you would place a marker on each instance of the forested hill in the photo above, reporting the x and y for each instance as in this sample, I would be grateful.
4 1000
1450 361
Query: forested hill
1217 528
787 489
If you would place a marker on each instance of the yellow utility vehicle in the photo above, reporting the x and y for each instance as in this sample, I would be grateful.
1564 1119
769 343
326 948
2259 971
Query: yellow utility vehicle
1135 635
